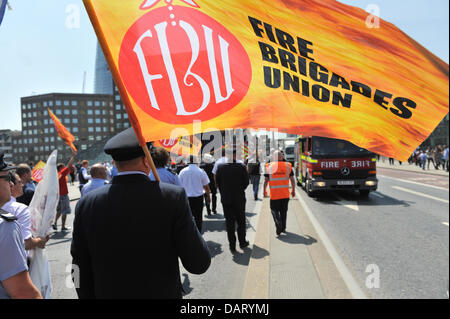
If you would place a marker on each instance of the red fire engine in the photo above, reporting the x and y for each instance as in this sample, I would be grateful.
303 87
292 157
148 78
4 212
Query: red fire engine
324 164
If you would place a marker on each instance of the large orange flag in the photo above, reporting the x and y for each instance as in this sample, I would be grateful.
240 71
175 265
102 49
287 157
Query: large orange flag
62 131
312 67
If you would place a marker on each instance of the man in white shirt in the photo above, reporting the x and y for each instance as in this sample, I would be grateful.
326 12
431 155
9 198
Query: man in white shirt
196 183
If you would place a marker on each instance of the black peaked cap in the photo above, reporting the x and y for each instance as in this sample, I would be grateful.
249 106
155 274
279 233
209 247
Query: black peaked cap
4 166
124 146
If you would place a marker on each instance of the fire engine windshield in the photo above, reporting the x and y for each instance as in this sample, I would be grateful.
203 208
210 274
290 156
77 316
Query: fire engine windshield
329 147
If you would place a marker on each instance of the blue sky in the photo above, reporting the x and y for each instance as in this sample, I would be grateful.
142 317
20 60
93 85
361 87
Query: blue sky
44 48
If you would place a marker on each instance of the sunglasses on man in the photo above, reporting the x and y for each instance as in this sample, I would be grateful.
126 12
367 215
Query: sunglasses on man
7 177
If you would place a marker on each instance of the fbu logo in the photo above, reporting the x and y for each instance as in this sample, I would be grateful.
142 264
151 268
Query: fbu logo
180 65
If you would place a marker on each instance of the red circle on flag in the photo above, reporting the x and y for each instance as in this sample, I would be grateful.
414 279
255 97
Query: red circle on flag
181 65
169 142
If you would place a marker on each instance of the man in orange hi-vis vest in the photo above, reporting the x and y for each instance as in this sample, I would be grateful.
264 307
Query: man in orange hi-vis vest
277 176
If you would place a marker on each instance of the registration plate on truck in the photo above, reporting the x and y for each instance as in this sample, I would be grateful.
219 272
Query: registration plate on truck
346 182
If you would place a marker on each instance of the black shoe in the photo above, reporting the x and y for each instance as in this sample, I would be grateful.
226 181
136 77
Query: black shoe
233 248
55 227
65 228
243 245
278 232
214 211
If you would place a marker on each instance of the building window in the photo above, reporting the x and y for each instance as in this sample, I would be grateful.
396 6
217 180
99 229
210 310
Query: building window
89 103
45 122
90 120
58 103
66 121
98 138
83 147
97 112
90 112
50 103
75 129
66 112
118 116
74 112
91 137
45 103
126 124
98 129
97 121
74 103
90 129
97 103
66 103
58 112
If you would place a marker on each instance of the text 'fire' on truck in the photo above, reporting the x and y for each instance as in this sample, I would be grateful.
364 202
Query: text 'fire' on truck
324 164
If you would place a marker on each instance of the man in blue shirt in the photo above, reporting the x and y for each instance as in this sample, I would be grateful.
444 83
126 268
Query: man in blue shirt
161 159
98 179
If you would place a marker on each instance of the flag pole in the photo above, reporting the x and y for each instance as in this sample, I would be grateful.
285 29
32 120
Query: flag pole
150 162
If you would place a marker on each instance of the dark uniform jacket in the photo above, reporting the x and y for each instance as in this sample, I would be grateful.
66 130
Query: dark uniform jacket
232 180
128 236
208 167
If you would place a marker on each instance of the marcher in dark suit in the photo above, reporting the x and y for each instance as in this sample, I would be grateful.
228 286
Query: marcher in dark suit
232 180
128 235
207 166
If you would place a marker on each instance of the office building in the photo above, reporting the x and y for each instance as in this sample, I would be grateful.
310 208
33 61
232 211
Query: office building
89 117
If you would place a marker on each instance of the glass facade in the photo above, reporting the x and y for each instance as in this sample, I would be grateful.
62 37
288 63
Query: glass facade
103 81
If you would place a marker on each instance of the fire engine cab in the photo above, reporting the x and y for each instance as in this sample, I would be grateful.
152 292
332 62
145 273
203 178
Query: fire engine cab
324 164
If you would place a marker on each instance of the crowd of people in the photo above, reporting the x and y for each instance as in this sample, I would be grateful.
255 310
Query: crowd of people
119 199
438 156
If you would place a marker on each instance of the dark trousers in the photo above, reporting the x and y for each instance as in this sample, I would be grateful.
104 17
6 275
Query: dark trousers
279 208
213 202
196 204
235 214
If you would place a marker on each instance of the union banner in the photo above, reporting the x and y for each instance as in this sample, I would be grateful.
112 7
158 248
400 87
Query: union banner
38 171
310 67
182 146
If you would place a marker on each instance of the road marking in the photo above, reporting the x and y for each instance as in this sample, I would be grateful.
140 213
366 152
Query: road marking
420 194
445 223
421 184
347 276
347 203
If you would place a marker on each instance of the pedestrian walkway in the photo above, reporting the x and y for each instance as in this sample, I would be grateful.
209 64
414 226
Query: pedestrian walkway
405 166
295 265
